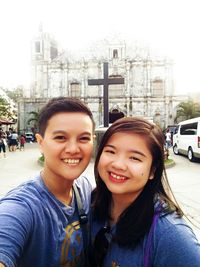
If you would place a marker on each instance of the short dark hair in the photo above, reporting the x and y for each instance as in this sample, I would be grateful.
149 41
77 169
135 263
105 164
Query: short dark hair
61 104
137 218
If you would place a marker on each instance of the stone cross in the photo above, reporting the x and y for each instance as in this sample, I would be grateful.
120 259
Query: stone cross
106 81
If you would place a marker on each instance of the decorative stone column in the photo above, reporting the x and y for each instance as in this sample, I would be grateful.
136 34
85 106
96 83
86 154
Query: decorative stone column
127 82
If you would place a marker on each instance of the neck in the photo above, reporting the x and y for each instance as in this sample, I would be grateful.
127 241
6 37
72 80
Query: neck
60 188
118 205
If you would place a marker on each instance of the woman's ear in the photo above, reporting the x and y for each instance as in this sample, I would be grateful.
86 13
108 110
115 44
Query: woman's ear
39 138
151 176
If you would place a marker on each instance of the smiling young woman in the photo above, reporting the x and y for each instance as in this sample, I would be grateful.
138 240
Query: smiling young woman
136 221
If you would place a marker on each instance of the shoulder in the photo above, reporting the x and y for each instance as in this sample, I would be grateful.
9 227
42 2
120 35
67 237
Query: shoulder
85 188
23 187
26 194
175 243
84 185
172 224
29 200
16 208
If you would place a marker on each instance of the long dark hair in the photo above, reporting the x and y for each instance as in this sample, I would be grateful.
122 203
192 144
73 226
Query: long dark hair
136 220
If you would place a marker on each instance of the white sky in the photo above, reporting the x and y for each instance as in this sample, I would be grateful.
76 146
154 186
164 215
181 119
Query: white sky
170 27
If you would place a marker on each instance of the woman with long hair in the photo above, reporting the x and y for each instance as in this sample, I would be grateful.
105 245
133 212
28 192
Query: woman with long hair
136 220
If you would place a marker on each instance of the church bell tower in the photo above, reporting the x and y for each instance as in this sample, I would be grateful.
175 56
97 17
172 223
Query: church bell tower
44 50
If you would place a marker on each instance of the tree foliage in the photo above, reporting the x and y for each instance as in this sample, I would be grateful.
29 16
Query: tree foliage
15 94
5 109
187 110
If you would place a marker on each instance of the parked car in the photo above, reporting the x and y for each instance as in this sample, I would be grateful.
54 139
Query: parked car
29 137
187 139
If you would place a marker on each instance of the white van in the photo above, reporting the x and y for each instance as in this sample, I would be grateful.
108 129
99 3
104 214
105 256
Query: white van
186 140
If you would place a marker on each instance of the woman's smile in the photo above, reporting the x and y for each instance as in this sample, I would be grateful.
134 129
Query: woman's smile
117 178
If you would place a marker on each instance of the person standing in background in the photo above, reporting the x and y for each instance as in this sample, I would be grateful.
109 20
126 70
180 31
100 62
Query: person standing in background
168 139
22 142
3 143
13 141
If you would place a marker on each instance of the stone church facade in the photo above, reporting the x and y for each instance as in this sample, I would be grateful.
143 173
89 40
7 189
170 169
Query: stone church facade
148 81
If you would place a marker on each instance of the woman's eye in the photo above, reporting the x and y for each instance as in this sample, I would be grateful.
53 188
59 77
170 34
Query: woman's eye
109 151
135 158
59 137
85 138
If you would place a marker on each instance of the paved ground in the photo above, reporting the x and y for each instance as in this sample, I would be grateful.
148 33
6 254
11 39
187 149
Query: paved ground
184 178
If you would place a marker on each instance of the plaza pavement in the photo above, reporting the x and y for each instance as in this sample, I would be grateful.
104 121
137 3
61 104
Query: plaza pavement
20 166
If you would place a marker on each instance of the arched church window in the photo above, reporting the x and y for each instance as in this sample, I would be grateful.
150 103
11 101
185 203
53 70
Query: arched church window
115 53
37 47
53 52
75 89
158 87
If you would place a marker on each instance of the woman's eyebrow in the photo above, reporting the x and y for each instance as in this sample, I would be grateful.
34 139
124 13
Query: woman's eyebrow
135 151
64 132
111 146
58 131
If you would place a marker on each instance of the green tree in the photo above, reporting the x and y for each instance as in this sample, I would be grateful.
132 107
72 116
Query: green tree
15 94
34 119
187 110
5 109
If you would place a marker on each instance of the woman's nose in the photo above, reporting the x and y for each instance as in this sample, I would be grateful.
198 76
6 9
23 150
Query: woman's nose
119 163
72 147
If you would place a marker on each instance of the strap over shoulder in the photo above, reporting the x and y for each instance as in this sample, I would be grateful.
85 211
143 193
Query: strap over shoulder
82 215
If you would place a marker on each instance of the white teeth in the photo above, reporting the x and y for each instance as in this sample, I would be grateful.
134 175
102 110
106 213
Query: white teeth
72 161
118 177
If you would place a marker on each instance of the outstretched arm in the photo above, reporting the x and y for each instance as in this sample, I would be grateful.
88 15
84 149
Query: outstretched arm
15 223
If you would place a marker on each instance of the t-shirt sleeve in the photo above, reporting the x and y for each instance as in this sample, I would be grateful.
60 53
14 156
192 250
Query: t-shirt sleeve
15 226
177 246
